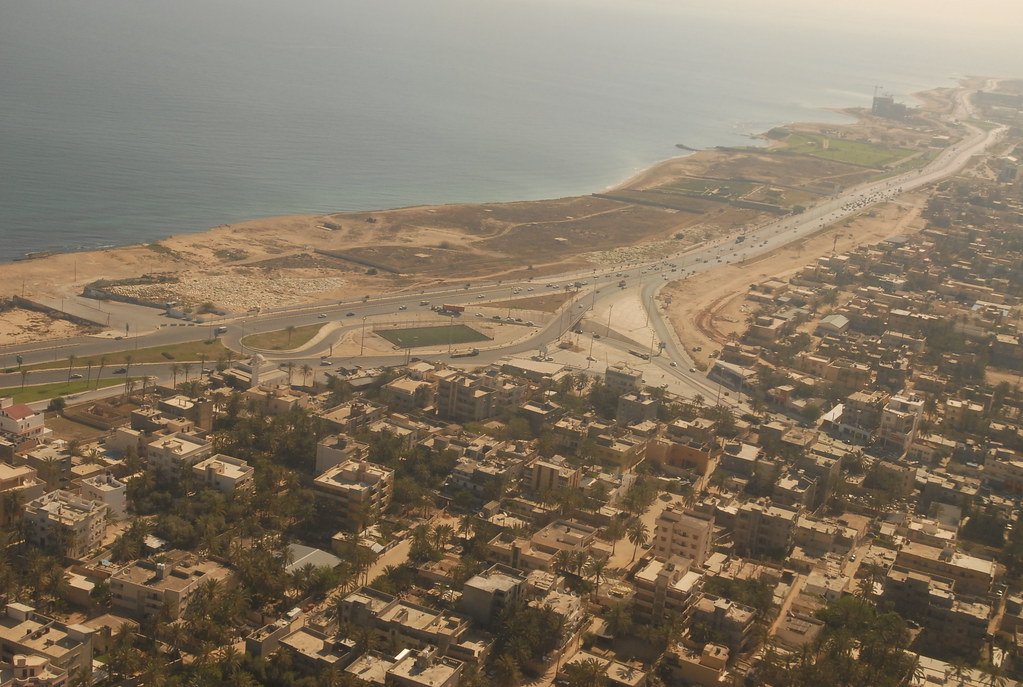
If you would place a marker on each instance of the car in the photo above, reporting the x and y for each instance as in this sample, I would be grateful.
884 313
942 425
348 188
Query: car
479 314
530 288
693 370
121 371
76 376
118 338
325 362
530 324
673 363
349 314
322 316
479 295
497 317
402 307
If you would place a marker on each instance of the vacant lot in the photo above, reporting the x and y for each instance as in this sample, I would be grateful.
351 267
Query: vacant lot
548 302
841 150
282 339
418 337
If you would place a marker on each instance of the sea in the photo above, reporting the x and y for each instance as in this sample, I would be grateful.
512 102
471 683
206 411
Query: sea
124 121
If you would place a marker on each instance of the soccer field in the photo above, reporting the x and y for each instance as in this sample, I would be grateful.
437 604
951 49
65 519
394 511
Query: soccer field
419 337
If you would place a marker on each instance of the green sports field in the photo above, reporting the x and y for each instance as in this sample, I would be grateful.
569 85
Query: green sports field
420 337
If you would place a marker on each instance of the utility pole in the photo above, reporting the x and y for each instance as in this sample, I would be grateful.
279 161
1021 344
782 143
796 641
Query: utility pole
362 347
609 311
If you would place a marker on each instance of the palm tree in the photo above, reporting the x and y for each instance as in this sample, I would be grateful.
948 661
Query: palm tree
290 329
595 569
306 371
442 535
186 368
175 368
506 671
638 535
24 374
70 365
99 373
588 673
127 372
290 367
614 531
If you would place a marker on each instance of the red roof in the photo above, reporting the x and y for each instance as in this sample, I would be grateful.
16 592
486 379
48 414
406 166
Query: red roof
18 411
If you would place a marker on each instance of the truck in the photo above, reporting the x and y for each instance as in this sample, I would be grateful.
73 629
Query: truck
466 354
221 329
621 284
644 356
740 239
452 308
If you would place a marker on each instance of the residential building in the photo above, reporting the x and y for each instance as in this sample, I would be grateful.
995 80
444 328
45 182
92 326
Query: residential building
170 454
360 489
763 529
486 595
108 490
900 420
19 421
971 575
729 622
23 632
622 379
665 587
553 475
64 523
682 532
18 485
146 588
226 473
338 448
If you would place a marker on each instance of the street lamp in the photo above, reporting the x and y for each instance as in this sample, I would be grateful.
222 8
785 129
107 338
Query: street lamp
362 347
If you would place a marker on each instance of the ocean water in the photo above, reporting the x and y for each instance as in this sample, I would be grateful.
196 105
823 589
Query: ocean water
122 121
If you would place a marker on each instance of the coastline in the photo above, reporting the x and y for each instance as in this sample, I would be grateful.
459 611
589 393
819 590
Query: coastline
469 240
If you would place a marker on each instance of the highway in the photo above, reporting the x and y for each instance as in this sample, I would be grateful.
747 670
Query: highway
594 287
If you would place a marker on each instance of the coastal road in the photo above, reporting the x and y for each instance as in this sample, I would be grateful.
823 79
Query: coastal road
593 287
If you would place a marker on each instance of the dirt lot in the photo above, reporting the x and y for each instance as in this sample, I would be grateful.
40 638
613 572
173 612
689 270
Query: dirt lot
20 326
708 311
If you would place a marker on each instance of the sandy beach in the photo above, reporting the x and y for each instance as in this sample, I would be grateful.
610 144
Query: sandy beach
289 260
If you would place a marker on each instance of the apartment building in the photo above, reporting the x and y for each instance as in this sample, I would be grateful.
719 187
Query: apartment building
226 473
108 490
762 528
358 488
170 454
64 523
665 587
972 576
553 475
682 532
146 588
19 421
25 633
900 420
948 620
18 485
729 622
486 595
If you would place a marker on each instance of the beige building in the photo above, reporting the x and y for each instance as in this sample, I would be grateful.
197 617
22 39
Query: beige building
486 595
175 452
360 489
23 632
971 575
553 475
681 532
763 529
727 620
146 588
18 485
106 489
471 397
665 588
424 668
225 473
540 551
64 523
338 448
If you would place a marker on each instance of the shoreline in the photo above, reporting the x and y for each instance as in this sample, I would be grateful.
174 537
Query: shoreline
287 260
854 114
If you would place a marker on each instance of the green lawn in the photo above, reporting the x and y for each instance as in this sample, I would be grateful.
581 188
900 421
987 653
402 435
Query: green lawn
190 351
417 337
42 392
841 150
281 340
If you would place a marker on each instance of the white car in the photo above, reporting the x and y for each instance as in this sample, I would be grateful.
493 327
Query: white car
322 316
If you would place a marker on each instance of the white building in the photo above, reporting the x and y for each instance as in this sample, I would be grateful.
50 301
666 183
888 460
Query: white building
225 473
64 523
19 420
171 453
107 490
